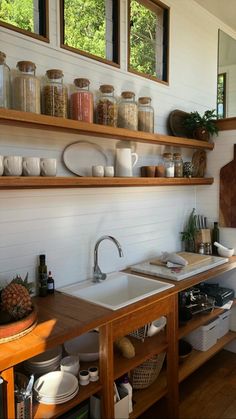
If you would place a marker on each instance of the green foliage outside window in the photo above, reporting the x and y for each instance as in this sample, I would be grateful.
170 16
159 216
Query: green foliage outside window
18 13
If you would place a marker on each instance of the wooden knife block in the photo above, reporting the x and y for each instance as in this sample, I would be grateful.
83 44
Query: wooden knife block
202 236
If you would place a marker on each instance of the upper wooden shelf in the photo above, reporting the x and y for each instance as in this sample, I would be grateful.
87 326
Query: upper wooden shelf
26 182
10 117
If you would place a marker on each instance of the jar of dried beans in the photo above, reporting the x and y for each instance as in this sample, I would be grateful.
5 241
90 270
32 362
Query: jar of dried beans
107 109
26 88
54 94
4 82
81 101
128 111
145 115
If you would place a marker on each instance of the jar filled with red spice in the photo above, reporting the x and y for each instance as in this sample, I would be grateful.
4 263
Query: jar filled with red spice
81 101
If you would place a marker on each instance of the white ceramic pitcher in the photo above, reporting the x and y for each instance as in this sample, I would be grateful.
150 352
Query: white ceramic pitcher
125 161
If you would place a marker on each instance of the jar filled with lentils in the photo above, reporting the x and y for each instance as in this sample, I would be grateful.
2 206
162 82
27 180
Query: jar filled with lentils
81 101
26 88
128 111
145 114
106 108
4 82
55 94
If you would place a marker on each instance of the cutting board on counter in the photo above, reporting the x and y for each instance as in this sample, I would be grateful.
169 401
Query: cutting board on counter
228 193
193 259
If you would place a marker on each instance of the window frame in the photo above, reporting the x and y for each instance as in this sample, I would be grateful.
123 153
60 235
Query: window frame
166 41
44 24
116 37
224 76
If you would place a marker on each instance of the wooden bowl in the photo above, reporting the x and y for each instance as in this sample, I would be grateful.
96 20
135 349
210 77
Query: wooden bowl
13 328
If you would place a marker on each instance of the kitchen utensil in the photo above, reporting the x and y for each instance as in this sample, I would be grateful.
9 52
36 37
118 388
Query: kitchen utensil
175 122
124 163
224 251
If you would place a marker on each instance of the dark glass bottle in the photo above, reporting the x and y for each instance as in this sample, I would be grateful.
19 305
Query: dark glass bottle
42 276
215 237
50 283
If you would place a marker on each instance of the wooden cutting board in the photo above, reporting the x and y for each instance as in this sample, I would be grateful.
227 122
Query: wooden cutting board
228 193
193 259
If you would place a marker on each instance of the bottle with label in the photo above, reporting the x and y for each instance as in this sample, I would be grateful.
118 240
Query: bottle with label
42 276
125 384
215 237
50 283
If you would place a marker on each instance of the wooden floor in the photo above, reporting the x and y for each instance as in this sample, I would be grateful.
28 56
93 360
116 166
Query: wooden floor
209 393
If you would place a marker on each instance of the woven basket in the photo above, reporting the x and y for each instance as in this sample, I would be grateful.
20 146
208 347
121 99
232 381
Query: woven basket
145 374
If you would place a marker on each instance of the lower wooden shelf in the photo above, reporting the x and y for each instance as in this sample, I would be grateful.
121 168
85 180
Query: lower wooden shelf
27 182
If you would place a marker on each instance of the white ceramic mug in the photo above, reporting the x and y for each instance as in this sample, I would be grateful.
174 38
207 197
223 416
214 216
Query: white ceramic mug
12 165
31 166
109 171
1 166
98 171
125 161
70 364
48 167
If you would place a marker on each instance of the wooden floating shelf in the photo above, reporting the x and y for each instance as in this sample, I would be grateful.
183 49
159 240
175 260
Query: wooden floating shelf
18 118
12 182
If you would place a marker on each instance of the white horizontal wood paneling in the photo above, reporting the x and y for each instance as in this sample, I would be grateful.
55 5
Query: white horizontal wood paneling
64 224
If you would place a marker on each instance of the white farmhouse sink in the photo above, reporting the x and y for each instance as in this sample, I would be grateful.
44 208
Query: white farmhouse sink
118 290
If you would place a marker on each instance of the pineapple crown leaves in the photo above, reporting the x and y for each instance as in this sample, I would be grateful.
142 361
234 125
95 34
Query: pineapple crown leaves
190 228
24 282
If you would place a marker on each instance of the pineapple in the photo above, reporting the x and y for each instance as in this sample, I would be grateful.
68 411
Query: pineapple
16 300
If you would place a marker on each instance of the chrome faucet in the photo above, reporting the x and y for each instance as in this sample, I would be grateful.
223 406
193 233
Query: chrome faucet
98 275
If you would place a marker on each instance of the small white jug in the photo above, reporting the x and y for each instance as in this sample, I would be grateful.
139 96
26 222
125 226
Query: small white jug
124 163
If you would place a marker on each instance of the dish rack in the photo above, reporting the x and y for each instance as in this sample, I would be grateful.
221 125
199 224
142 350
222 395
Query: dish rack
145 374
149 329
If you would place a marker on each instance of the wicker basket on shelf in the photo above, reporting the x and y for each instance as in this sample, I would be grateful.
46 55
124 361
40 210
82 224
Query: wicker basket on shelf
145 374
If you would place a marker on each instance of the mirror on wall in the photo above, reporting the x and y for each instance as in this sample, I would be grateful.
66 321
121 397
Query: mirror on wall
226 86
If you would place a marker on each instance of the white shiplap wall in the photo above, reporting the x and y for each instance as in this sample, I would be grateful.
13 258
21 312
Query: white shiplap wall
64 224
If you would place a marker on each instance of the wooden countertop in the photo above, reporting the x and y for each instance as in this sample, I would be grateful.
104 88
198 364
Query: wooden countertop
62 317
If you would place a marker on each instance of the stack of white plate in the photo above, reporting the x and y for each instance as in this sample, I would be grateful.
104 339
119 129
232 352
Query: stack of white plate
56 387
44 362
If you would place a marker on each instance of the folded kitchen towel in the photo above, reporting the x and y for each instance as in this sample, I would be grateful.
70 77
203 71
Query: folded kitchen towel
173 258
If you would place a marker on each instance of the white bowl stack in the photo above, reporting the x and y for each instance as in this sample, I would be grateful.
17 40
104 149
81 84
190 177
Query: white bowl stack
45 362
56 387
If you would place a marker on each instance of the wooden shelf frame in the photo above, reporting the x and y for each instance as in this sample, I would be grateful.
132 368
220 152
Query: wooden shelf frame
40 182
28 119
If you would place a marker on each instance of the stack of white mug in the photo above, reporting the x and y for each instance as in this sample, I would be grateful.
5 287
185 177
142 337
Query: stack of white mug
27 166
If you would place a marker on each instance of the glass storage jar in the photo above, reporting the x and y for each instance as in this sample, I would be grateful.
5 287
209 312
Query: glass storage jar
106 108
169 165
81 101
26 88
145 115
54 94
128 111
178 162
4 82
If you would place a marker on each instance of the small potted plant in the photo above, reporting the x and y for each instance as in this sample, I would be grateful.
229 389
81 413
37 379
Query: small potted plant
201 127
189 233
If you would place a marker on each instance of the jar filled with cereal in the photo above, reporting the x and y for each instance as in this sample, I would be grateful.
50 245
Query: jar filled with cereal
4 82
55 94
26 88
128 111
107 109
145 115
81 101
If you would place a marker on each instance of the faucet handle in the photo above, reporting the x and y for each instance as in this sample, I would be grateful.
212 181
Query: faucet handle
98 275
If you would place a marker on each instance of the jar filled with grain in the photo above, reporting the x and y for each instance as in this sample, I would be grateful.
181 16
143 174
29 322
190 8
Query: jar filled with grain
107 109
26 88
178 162
55 94
81 101
145 114
4 82
168 165
128 111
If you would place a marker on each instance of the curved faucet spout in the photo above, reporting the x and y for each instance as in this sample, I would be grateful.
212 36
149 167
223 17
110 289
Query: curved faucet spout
98 275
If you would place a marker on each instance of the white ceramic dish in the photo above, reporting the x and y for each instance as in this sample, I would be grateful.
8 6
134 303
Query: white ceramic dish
55 384
79 157
85 346
48 400
46 358
156 326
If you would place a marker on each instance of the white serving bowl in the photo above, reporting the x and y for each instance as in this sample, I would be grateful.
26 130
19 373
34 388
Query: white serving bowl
226 253
85 346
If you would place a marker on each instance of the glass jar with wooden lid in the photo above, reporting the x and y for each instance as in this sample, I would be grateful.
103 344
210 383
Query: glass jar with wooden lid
145 114
26 88
4 82
81 101
178 163
128 111
168 164
106 107
55 94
